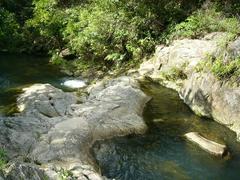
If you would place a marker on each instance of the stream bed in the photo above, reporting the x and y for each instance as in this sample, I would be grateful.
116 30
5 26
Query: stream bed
161 153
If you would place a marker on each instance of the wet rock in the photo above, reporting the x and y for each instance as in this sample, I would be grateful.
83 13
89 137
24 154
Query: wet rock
56 133
67 54
207 145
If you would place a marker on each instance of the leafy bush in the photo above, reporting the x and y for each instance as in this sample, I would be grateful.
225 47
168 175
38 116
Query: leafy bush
9 30
98 32
109 31
47 25
226 70
223 68
204 21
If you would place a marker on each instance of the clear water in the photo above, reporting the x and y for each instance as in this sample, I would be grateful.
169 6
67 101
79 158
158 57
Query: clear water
163 153
17 71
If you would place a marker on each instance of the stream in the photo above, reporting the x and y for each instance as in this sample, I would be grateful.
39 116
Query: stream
161 153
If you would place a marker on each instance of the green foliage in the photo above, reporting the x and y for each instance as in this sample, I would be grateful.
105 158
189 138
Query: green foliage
22 9
3 158
174 74
226 70
101 33
205 21
65 174
46 26
109 31
9 30
229 7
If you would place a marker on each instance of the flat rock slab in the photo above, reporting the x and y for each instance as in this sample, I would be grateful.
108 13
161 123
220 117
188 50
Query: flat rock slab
207 145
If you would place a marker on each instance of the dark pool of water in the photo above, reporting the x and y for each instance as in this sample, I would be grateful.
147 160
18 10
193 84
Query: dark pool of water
17 71
163 153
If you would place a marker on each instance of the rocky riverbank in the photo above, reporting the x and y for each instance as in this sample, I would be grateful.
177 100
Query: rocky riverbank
52 135
176 67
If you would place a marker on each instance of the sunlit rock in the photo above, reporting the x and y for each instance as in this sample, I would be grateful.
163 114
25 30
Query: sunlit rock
206 144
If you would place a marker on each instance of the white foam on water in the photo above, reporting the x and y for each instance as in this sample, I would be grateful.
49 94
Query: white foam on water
74 83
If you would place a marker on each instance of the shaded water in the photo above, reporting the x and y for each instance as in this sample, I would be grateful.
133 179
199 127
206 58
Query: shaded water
163 153
19 71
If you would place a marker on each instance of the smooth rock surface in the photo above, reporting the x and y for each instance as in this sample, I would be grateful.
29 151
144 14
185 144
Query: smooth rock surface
46 100
54 133
207 145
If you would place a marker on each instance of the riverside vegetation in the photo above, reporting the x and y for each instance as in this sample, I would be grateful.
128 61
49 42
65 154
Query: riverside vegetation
106 35
110 33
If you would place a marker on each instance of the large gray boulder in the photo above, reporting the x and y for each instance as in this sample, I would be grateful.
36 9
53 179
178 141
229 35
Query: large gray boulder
175 66
54 133
184 54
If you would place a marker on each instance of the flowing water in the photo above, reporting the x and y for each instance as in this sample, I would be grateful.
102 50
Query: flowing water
161 153
20 71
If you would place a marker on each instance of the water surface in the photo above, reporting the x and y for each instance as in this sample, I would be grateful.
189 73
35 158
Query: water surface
163 153
17 71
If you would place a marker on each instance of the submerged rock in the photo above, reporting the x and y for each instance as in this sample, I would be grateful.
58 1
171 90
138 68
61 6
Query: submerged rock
55 133
172 170
206 144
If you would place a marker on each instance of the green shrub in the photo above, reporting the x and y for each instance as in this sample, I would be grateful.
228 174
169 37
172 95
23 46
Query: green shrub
108 31
45 29
9 30
204 21
174 74
222 68
3 158
65 174
226 70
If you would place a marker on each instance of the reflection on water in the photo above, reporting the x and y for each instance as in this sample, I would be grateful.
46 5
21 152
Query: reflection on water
19 71
163 153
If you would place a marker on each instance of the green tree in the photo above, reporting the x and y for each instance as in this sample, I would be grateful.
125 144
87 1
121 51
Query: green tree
9 30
